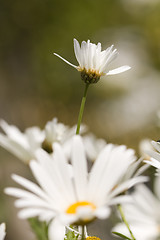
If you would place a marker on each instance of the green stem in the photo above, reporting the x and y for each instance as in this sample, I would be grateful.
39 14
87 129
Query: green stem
82 108
125 221
83 232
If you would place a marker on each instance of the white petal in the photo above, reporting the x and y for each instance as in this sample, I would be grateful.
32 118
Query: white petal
79 163
65 60
141 231
47 184
97 170
15 148
102 212
118 70
156 145
65 181
124 199
128 184
30 212
56 230
30 186
77 51
2 231
153 162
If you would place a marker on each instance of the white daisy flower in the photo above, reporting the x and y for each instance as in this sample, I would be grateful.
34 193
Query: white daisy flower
58 132
69 194
93 62
22 145
154 156
2 231
143 214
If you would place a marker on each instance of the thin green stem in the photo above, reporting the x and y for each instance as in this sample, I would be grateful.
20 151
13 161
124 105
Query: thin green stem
83 232
82 108
125 221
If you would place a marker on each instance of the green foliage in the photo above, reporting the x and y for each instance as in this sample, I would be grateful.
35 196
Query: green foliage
71 236
121 235
39 228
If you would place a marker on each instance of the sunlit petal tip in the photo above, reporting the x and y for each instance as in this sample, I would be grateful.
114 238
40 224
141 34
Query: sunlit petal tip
118 70
75 41
14 176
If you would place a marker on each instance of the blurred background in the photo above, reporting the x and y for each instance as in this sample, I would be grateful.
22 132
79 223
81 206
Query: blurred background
36 86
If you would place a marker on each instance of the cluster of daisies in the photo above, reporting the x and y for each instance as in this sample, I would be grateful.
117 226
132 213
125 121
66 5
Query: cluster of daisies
66 191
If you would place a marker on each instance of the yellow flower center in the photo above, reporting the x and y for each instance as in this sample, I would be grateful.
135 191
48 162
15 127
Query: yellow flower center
93 238
73 208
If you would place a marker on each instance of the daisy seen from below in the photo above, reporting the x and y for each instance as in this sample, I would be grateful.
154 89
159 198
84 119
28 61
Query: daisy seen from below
143 214
68 193
2 231
93 62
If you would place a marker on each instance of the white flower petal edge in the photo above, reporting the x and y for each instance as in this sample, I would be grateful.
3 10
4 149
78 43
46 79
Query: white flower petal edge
93 62
56 230
119 70
64 198
22 145
65 60
2 231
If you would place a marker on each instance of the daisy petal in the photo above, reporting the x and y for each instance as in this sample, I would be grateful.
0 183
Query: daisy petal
65 60
118 70
56 230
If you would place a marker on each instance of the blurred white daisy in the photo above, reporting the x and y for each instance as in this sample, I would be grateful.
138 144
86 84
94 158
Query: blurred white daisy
69 194
93 62
143 215
2 231
22 145
58 132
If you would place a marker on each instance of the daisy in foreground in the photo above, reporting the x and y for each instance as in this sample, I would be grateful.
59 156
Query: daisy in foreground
93 62
2 231
143 214
68 193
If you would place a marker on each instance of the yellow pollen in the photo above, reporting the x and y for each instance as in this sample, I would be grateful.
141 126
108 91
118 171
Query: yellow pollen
73 208
93 238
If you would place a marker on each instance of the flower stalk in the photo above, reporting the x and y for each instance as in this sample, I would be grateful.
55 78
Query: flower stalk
82 108
125 221
83 232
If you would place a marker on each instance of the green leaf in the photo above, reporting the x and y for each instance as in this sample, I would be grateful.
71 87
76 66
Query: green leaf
71 235
39 228
121 235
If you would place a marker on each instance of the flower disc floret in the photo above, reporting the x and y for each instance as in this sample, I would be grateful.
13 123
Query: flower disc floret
92 238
